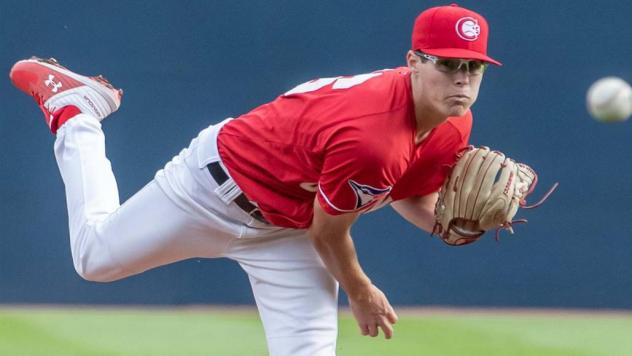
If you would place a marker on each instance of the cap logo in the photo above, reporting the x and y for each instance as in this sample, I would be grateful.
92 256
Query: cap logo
468 29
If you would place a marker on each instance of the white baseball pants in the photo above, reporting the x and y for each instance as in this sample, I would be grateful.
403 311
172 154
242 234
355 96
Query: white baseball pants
182 213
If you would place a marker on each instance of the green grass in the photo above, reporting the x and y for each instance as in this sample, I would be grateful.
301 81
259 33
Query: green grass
69 332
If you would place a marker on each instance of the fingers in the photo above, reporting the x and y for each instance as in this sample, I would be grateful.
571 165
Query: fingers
392 316
382 322
386 327
387 322
373 332
364 329
372 329
374 313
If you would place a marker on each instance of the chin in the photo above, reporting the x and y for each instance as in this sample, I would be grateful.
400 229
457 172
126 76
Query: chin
457 110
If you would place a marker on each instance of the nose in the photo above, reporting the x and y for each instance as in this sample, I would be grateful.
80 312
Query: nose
461 77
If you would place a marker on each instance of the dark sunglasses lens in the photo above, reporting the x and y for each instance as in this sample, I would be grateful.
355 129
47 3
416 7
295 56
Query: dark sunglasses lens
448 65
477 67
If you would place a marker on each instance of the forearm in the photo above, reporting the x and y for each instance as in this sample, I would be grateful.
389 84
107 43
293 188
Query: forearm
339 256
419 211
424 219
331 237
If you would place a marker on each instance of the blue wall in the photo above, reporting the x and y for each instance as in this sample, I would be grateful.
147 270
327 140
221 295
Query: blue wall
186 64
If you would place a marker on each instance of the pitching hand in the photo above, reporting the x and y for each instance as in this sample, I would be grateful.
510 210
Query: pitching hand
372 310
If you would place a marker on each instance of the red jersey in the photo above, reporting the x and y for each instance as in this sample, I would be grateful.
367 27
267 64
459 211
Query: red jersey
350 141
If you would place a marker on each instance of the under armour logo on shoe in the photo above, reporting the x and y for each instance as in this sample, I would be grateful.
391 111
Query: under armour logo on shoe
51 84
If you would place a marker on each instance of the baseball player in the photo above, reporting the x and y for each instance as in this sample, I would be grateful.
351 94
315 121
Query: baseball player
278 188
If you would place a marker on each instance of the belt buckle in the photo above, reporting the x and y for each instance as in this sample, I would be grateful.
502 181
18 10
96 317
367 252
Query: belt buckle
256 213
254 210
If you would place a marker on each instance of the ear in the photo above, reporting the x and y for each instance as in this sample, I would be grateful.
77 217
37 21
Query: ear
412 60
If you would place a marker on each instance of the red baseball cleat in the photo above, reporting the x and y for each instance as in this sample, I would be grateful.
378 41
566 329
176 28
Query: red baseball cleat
55 87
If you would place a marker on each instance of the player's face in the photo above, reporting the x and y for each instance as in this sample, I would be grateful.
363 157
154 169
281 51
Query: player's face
447 87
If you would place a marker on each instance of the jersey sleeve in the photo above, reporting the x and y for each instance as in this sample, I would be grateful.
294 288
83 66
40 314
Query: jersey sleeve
352 179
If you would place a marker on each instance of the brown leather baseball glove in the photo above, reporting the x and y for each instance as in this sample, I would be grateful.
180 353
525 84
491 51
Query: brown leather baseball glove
483 192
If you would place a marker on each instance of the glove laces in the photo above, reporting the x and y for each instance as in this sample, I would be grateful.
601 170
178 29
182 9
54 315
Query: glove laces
523 204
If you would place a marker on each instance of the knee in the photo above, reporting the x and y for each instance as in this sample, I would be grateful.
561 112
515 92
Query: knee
97 271
91 257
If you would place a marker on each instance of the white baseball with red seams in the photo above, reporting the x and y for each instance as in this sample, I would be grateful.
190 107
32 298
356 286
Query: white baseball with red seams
609 99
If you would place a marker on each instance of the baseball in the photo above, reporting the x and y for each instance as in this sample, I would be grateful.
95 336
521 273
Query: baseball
609 99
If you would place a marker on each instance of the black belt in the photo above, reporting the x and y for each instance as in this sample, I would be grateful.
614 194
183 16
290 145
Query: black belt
217 172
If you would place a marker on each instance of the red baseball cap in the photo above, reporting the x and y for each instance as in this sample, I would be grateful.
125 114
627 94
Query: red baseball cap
452 32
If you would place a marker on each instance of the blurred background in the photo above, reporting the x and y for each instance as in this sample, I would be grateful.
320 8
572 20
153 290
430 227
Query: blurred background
187 64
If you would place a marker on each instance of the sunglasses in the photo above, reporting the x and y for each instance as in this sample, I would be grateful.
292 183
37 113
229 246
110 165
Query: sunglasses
451 65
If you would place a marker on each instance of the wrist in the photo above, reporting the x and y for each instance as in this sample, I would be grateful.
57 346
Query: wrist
359 289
